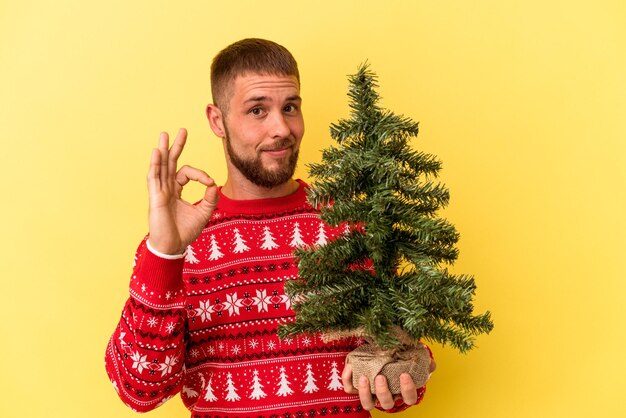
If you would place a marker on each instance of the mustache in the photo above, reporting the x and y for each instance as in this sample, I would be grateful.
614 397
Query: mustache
281 144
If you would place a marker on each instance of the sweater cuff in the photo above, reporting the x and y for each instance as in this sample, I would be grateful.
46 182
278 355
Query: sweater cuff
158 273
162 255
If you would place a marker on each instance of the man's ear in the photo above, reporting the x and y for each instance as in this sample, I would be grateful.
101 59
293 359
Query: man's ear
216 120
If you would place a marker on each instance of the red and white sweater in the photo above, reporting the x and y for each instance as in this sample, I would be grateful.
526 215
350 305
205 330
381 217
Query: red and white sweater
206 325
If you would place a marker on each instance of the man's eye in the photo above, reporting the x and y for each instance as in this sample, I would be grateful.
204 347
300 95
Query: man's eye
256 111
290 108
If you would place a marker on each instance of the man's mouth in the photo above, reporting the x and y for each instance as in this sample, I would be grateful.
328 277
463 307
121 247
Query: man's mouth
279 149
278 152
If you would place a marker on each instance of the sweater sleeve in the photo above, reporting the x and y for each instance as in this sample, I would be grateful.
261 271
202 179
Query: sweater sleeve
145 355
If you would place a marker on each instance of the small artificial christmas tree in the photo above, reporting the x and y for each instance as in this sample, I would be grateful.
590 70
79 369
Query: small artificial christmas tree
384 279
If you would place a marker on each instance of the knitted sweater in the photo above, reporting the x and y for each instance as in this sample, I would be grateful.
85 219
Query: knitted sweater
205 325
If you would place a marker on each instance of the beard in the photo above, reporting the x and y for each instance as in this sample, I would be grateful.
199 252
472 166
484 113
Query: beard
253 169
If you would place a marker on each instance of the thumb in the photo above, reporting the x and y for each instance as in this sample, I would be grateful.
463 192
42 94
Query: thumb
211 196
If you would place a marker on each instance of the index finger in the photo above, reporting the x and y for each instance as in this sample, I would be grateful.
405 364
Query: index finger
176 149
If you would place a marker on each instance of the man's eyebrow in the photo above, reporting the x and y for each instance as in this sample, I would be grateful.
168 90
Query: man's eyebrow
257 99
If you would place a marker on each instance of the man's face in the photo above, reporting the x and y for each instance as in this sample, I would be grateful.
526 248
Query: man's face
264 128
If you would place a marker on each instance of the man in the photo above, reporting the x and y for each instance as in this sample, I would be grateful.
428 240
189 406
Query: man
206 294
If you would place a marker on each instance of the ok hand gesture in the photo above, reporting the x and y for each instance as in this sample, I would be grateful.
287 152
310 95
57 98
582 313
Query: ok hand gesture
175 223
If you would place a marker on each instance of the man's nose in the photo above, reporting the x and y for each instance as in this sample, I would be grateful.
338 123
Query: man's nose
279 127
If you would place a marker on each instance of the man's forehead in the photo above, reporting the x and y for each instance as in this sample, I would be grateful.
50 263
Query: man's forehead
249 83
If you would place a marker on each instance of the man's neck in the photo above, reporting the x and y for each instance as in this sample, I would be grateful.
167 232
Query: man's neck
246 190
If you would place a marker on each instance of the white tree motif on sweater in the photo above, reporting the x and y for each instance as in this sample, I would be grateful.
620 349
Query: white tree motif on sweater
231 391
322 239
283 384
257 387
296 236
268 239
190 257
240 244
310 380
208 388
215 249
335 378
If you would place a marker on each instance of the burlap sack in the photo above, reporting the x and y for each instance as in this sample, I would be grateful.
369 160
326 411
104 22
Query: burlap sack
371 361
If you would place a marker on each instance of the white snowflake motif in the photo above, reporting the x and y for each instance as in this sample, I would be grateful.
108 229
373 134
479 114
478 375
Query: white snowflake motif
204 310
166 367
194 352
261 300
221 346
306 341
139 362
152 322
168 295
236 350
143 288
233 304
288 340
271 345
211 350
253 344
170 327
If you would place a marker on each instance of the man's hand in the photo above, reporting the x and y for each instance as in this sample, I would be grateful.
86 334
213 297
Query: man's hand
386 400
174 223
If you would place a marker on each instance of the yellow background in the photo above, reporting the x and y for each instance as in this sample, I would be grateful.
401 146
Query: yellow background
523 101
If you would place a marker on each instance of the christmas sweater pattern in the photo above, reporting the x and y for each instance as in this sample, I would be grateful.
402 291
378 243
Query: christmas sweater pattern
211 334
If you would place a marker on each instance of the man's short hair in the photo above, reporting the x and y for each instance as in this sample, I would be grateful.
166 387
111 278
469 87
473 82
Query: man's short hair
250 55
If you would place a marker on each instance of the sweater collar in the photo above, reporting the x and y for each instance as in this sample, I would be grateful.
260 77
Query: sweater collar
258 206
